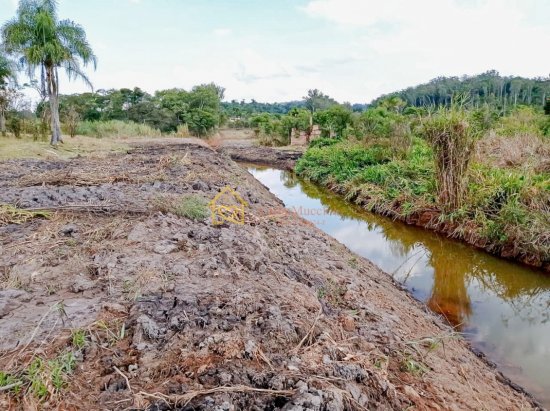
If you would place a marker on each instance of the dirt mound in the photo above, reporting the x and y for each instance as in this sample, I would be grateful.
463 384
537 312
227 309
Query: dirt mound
280 158
112 304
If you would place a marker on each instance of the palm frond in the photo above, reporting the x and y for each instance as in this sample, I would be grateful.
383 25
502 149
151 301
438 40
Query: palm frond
74 71
73 37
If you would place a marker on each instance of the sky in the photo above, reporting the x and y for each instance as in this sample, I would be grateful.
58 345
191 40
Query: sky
352 50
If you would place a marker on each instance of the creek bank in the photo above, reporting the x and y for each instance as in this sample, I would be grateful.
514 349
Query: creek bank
429 219
279 158
181 314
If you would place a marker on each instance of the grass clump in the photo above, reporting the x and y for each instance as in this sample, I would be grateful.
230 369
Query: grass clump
189 206
12 215
42 378
193 207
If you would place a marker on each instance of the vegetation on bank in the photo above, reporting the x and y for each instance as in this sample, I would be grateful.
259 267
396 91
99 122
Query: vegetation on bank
456 177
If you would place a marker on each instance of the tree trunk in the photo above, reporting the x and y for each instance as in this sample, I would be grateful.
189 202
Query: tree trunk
3 123
51 79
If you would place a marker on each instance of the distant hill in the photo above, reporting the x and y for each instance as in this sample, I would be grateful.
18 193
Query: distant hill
490 87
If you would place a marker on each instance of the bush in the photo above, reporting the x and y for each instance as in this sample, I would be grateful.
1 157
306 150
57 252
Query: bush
341 161
323 142
452 134
522 121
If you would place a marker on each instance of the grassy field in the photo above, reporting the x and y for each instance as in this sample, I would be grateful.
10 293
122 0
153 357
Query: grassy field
26 147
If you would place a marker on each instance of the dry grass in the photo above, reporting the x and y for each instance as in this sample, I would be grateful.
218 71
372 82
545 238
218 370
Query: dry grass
525 150
26 147
13 215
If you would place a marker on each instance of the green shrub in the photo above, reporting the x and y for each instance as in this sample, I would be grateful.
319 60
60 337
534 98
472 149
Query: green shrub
323 142
340 161
522 121
192 207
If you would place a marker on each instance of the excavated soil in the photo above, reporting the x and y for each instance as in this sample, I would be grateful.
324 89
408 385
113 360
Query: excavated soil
180 314
279 158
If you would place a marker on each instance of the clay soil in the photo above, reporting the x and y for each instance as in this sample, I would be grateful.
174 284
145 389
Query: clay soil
179 314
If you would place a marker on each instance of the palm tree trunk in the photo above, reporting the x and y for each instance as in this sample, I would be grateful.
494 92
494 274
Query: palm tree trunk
51 80
3 122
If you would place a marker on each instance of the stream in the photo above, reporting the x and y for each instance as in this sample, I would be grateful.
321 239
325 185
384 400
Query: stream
501 307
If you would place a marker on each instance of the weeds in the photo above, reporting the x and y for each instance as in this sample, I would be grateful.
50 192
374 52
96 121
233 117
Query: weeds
452 134
79 338
115 128
332 292
12 215
189 206
414 367
500 206
41 378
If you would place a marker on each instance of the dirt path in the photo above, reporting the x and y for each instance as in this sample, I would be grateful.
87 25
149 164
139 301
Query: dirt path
272 314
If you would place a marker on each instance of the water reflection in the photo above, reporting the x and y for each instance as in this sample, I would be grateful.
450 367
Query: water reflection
502 307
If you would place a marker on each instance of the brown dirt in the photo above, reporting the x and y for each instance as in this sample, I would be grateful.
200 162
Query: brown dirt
180 314
281 158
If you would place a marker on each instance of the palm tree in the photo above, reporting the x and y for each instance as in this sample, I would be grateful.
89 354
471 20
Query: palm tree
44 42
8 76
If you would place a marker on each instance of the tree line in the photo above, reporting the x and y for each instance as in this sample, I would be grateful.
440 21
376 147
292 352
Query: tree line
500 92
166 110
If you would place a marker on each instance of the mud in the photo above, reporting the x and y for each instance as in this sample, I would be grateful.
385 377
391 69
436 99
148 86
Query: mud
279 158
180 314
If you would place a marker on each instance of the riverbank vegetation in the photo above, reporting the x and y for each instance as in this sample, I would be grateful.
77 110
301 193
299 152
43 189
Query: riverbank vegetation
464 171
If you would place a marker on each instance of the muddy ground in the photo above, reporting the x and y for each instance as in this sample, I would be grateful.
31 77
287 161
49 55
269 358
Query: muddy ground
173 312
284 159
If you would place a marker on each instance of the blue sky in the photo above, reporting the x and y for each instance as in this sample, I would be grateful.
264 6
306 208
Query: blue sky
353 50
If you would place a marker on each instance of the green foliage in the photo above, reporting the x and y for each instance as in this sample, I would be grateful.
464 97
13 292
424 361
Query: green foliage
499 92
333 121
315 100
14 124
193 207
167 111
340 161
522 120
40 40
499 205
323 142
78 338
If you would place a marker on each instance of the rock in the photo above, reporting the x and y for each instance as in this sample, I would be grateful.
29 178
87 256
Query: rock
225 378
8 301
139 233
114 308
68 230
150 327
180 268
80 284
411 393
200 186
249 349
165 247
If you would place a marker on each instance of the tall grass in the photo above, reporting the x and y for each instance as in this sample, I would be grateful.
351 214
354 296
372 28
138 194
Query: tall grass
116 129
452 134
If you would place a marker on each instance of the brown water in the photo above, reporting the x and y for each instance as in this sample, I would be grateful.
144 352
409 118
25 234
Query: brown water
503 308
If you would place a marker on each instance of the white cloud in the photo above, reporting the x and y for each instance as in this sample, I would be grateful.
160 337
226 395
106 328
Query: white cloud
222 32
414 41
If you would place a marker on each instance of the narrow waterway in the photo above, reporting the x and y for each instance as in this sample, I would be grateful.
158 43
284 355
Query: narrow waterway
503 308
